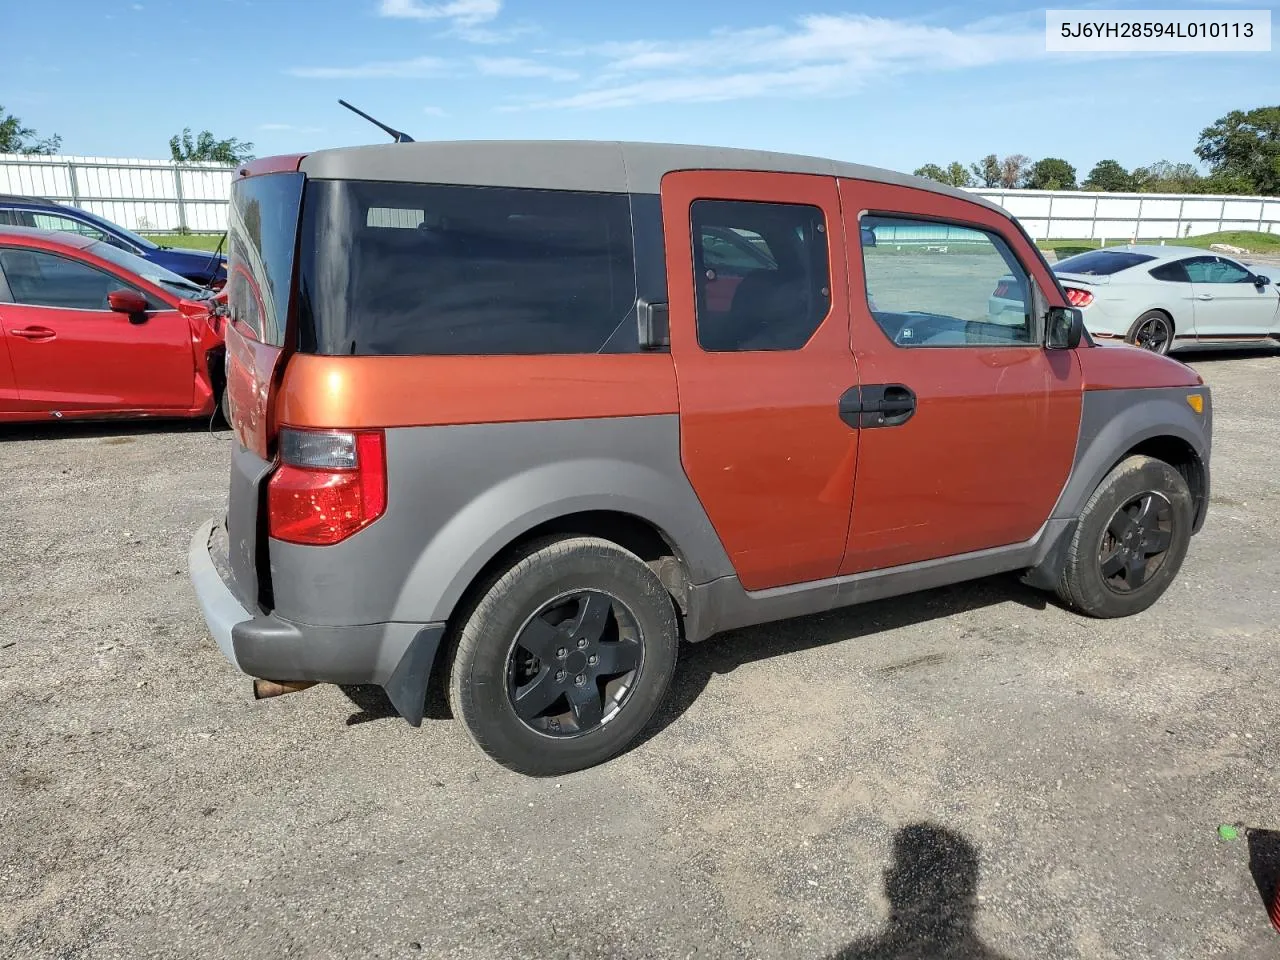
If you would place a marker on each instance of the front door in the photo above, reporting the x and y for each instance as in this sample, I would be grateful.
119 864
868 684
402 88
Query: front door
1228 303
70 353
760 341
979 424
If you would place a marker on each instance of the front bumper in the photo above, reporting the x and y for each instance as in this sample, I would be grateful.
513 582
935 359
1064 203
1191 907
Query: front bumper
396 656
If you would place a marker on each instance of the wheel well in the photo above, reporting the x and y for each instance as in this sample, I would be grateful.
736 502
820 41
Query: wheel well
1182 457
630 532
1173 324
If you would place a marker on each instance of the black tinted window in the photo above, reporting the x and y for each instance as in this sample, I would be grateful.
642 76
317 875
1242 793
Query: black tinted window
1101 263
394 268
1171 273
41 279
761 275
262 233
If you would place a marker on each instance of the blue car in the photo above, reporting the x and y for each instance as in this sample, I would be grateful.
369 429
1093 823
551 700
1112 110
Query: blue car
199 266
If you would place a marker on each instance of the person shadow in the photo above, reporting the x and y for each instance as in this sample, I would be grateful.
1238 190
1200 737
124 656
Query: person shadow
932 887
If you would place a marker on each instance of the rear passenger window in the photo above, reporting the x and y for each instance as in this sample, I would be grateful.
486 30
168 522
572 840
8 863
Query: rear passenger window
761 280
421 269
937 284
1171 273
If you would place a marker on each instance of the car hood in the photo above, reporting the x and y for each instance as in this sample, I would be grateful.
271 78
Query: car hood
187 253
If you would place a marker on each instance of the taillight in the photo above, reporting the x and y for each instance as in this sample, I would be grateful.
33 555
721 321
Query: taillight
1002 289
1078 298
329 485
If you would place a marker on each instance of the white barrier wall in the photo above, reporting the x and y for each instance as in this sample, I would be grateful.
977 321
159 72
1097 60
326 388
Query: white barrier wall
143 195
1071 215
153 195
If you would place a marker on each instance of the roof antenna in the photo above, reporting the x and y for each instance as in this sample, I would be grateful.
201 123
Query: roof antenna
392 131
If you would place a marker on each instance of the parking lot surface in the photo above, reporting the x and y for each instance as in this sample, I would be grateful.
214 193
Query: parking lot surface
971 772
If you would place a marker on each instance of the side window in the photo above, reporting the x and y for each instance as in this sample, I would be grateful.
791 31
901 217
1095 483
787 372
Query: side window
53 221
761 277
1200 269
1224 271
936 284
1175 272
40 279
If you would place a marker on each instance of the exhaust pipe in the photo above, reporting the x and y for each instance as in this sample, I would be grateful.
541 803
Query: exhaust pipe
265 689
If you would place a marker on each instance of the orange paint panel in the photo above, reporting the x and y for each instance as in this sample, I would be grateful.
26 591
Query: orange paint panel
284 163
356 392
1123 367
761 437
251 370
985 456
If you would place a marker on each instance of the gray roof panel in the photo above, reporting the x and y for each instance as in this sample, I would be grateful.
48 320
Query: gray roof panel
592 165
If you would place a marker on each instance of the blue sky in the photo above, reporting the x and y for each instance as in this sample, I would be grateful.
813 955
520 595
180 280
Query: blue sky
895 83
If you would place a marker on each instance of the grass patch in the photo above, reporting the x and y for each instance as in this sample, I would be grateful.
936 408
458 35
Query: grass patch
191 241
1250 240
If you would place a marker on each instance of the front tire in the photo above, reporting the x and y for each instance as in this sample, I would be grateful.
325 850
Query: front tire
565 656
1152 331
1130 541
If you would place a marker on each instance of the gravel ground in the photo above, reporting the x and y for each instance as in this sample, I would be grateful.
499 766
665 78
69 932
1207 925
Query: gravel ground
971 772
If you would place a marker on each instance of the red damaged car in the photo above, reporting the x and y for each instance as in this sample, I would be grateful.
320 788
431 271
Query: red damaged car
88 330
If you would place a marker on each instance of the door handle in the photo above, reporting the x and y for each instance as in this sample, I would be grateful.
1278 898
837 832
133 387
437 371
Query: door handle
1204 296
34 333
877 405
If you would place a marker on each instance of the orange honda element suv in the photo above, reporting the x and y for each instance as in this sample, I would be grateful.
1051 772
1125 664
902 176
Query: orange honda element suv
523 416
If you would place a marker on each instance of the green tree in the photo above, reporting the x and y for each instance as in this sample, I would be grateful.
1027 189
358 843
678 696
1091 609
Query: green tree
1245 145
1013 170
186 149
1052 173
987 170
15 138
1165 177
1110 176
954 175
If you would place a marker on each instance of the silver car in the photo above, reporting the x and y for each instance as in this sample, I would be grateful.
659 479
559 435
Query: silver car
1167 298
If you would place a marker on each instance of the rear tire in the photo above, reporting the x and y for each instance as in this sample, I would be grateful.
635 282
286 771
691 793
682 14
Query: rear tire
1130 541
565 656
1152 331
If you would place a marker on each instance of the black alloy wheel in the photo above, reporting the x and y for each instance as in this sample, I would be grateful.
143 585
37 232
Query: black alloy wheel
574 663
1135 542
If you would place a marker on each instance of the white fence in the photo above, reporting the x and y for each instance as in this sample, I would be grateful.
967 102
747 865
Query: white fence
152 195
143 195
1071 215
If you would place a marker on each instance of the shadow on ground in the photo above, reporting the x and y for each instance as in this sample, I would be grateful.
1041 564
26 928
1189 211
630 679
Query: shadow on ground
117 431
932 888
1264 864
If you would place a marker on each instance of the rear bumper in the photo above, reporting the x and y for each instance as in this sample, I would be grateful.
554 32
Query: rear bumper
396 656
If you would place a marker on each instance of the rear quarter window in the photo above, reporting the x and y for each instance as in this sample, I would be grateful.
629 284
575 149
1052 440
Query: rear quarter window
1171 273
1101 263
422 269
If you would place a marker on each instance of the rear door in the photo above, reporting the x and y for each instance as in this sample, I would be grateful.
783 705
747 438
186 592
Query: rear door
71 353
760 341
979 422
1228 303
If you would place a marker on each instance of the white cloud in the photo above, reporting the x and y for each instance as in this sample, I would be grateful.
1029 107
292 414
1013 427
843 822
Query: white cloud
378 69
521 67
460 12
435 111
822 55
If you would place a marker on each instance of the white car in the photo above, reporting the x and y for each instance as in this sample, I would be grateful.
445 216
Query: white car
1167 298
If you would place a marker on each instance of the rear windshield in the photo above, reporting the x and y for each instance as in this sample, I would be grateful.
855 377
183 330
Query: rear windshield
1100 263
406 268
262 235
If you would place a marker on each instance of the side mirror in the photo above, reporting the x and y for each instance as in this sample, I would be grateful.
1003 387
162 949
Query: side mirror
129 301
1260 281
1063 328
